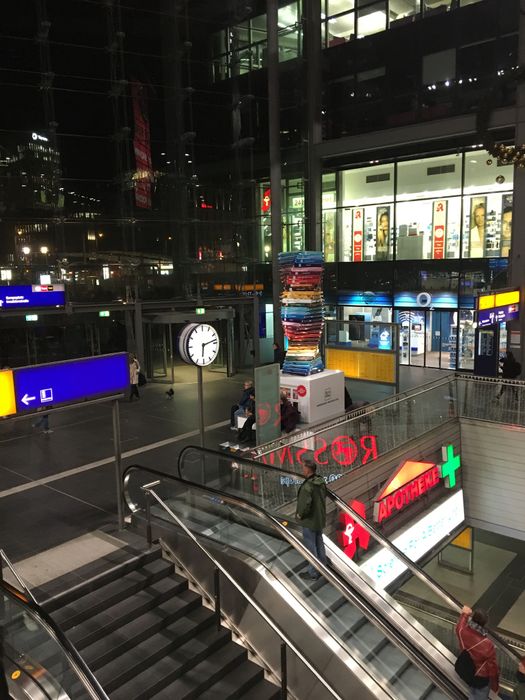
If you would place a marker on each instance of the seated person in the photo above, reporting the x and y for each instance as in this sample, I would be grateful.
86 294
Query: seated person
289 414
240 408
246 433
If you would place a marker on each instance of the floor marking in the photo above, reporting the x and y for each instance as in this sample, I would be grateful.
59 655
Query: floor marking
108 460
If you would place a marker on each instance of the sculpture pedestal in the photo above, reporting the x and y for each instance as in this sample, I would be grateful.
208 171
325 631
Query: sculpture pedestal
318 397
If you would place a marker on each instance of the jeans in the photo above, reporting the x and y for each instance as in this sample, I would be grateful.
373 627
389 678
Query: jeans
479 693
42 422
313 541
239 413
134 392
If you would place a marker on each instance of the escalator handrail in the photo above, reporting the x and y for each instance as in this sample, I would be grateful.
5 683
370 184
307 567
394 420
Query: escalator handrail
149 488
416 570
392 632
79 666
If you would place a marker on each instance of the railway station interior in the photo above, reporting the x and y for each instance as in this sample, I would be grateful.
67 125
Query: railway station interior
262 408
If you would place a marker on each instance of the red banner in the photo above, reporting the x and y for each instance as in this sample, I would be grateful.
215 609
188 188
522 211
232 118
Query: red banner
439 229
141 147
357 228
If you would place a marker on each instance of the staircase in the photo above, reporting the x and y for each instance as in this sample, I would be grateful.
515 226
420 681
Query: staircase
146 636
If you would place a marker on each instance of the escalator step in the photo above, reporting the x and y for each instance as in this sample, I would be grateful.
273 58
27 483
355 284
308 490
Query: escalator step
412 683
198 679
365 638
436 694
389 659
236 683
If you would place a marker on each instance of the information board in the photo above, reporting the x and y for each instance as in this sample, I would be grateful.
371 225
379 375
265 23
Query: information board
32 296
45 386
489 317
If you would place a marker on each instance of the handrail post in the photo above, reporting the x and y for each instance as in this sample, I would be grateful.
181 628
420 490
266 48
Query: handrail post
217 596
148 518
284 672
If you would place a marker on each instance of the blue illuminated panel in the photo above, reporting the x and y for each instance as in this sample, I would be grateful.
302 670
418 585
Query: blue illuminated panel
489 317
43 386
356 298
434 300
32 296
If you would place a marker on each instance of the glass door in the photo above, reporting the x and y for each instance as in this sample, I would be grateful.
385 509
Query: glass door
412 337
440 339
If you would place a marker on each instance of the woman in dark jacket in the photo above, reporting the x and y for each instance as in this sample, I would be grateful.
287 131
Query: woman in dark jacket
289 414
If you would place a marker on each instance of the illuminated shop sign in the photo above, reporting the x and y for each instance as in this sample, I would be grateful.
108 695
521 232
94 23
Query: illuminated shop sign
352 534
362 298
498 308
343 450
416 540
437 300
412 481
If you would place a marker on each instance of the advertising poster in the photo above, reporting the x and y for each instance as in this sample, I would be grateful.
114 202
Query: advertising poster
357 228
506 225
439 228
141 147
478 212
382 233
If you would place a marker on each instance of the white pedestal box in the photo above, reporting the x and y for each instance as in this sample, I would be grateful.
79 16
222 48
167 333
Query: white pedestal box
318 397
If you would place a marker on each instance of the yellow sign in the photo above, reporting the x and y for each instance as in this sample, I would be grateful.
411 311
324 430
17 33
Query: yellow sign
494 301
464 539
363 364
7 393
16 675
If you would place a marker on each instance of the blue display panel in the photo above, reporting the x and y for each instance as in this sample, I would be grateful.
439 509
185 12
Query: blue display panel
488 317
358 298
44 386
434 300
32 296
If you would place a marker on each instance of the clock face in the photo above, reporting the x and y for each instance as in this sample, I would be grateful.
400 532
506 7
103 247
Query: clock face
202 344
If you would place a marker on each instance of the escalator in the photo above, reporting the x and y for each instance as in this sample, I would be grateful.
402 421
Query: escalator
436 610
364 643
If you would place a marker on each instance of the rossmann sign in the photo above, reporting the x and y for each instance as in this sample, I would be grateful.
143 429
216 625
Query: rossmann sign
343 450
413 480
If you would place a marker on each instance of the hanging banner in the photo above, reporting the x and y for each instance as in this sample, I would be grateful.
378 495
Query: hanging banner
141 147
439 229
357 229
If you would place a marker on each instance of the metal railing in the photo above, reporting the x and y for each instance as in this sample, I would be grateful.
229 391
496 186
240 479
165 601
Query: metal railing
26 600
396 632
286 643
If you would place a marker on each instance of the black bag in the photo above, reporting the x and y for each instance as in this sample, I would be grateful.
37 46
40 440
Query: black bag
465 667
142 379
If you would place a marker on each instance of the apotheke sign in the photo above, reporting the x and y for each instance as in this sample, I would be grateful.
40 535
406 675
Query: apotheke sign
412 480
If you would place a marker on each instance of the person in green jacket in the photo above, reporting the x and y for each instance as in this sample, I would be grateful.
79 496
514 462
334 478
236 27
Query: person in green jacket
311 513
519 690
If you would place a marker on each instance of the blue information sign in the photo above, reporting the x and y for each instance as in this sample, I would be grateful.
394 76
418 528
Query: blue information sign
32 296
500 314
44 386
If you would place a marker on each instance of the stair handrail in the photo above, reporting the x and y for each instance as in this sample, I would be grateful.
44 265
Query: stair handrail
27 599
416 570
149 489
391 631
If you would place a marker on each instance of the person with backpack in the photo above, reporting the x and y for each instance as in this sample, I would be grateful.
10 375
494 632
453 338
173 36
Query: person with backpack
476 663
311 514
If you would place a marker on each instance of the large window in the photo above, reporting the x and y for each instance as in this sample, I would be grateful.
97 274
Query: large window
457 205
244 47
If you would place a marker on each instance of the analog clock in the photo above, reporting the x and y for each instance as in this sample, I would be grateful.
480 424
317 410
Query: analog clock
199 344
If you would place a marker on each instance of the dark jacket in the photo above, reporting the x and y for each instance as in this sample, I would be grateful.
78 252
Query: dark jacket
519 689
311 503
289 416
243 403
481 650
510 368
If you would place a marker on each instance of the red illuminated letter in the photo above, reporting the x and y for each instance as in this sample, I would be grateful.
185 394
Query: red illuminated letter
370 450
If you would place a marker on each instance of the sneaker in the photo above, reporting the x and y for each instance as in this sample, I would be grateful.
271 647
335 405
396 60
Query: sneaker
47 432
307 576
232 427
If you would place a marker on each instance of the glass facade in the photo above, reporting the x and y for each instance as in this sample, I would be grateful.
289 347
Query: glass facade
452 206
243 47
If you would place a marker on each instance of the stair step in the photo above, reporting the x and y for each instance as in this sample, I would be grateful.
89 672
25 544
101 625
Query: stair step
234 684
144 626
177 661
198 679
88 631
264 690
112 574
95 601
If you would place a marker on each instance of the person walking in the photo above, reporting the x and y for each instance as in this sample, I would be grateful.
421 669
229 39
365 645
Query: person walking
43 422
510 369
134 369
472 637
311 514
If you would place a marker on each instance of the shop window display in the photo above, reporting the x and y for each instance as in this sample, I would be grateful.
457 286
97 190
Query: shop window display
428 229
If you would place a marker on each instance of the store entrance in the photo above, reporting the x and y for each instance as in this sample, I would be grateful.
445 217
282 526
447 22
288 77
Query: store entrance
427 338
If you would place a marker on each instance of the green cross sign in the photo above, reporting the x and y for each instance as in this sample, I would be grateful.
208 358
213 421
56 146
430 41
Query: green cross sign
449 467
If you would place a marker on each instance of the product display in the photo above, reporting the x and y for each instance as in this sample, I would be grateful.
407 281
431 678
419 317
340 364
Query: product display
302 310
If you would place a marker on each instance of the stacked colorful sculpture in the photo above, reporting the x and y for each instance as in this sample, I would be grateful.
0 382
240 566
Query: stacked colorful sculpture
302 311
